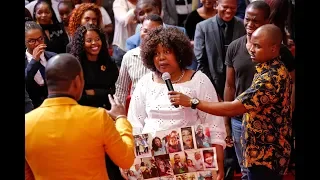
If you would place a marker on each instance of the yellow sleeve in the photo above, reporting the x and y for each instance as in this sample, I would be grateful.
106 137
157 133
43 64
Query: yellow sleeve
118 141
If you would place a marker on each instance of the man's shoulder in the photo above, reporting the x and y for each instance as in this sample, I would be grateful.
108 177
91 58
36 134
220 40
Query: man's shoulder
237 43
50 54
134 37
77 110
207 21
238 20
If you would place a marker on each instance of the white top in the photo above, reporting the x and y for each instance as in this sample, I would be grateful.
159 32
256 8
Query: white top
124 24
105 16
30 7
150 109
131 70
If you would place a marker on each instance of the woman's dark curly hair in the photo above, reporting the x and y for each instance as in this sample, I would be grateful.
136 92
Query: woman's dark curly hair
171 38
78 42
77 13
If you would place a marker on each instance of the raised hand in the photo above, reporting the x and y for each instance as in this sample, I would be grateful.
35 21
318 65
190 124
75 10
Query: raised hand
117 108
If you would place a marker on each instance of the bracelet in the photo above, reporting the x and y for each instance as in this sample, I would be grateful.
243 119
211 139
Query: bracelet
121 116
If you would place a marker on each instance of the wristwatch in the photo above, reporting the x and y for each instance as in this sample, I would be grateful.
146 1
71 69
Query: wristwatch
194 102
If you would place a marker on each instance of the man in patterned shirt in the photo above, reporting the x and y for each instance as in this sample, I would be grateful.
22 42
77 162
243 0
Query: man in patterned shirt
266 106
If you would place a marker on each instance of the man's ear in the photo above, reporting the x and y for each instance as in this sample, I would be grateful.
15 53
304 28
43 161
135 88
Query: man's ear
77 82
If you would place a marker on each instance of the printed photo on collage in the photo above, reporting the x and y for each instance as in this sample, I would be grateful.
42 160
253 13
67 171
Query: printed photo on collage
188 138
142 143
202 136
176 154
194 160
207 175
210 158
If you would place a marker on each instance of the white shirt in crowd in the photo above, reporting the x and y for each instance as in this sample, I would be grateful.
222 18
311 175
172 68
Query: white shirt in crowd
124 22
132 69
150 109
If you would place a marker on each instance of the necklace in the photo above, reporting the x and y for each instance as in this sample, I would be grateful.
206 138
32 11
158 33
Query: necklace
179 79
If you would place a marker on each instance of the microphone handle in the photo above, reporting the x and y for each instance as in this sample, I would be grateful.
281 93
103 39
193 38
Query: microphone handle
170 88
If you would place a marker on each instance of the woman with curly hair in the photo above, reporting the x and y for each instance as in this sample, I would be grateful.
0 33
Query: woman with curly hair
83 14
100 74
106 20
150 110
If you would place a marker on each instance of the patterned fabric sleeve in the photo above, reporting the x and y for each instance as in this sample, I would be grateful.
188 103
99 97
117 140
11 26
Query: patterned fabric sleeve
207 92
260 93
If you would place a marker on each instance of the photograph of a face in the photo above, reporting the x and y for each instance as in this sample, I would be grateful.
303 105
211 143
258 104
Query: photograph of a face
202 136
158 145
164 166
178 162
171 140
188 138
210 158
143 145
194 160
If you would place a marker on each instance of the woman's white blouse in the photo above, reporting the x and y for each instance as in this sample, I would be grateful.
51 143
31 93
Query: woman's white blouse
150 109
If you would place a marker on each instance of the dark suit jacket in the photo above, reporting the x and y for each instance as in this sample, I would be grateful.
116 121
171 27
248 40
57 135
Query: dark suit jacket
28 106
208 51
36 93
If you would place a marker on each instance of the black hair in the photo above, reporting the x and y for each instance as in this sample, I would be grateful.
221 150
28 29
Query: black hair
155 3
155 18
27 15
261 5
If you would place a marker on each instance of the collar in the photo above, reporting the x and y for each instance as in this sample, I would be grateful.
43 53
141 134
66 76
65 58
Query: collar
30 57
266 65
58 101
221 22
136 51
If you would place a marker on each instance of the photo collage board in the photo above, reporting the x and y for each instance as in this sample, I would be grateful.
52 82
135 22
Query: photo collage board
178 154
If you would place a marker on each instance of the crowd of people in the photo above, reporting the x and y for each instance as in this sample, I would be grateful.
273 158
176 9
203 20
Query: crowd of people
93 84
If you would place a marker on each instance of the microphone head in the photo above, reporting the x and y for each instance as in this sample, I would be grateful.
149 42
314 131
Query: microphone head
166 76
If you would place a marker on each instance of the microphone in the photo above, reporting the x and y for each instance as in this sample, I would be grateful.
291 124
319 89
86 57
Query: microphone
167 78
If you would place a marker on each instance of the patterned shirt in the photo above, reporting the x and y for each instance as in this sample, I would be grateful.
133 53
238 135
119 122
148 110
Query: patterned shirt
267 123
132 69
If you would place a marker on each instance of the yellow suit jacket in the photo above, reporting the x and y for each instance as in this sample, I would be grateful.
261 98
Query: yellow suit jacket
64 140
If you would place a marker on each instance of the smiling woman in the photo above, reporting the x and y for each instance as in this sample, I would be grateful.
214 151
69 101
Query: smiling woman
100 73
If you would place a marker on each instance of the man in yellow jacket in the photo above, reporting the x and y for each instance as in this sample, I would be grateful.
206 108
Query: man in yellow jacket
64 140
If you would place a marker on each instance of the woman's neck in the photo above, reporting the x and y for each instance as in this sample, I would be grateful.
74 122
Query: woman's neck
207 11
176 75
92 57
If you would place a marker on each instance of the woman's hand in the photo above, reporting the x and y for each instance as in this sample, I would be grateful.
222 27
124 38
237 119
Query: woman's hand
177 98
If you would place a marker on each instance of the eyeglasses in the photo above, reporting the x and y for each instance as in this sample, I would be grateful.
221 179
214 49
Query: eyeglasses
33 41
